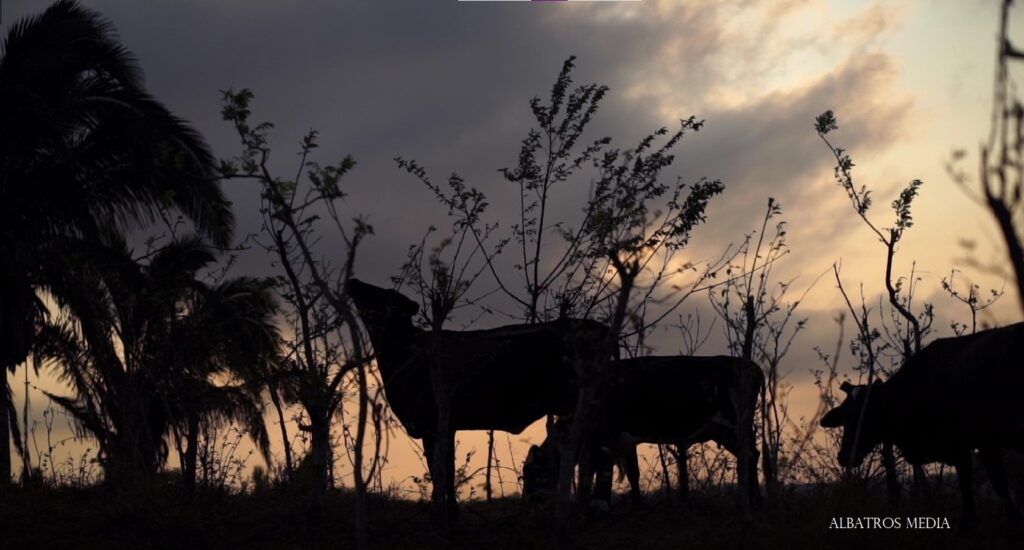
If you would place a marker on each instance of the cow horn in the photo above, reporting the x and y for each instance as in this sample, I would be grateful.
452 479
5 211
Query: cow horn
846 387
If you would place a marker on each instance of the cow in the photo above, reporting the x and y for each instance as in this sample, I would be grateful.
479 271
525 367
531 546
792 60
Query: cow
504 378
955 396
681 400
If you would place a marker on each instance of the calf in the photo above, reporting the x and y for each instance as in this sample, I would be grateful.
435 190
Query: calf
679 400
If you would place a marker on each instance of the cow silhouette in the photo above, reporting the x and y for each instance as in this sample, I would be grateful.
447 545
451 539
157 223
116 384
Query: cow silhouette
504 378
681 400
955 396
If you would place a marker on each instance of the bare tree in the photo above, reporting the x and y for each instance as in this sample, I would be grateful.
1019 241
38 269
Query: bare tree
1001 160
907 328
613 263
442 278
761 326
970 298
637 224
328 345
816 460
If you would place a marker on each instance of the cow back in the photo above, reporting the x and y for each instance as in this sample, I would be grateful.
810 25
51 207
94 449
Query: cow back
958 392
498 379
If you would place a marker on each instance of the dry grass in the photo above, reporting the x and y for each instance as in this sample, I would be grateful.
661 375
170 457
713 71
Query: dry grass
92 518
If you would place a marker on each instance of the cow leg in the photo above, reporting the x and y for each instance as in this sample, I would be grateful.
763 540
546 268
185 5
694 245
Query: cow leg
428 453
892 482
429 446
992 458
682 465
747 487
632 464
965 475
602 465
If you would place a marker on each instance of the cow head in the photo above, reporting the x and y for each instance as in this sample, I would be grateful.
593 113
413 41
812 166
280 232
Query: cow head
859 434
380 306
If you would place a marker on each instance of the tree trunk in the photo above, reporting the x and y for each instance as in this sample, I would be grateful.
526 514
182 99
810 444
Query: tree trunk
568 443
745 441
5 432
682 465
594 374
26 456
320 439
361 516
768 471
443 450
769 447
443 465
745 438
751 326
289 464
666 478
188 466
490 461
131 463
1014 248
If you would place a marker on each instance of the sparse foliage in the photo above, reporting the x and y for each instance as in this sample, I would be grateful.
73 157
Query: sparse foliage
328 345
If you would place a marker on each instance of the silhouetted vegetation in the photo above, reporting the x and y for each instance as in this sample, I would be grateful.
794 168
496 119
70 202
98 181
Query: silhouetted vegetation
85 152
119 280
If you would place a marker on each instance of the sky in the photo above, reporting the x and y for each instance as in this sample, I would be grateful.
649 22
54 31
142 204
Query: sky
447 83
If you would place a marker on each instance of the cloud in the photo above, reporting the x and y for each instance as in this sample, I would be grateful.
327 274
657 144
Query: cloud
448 84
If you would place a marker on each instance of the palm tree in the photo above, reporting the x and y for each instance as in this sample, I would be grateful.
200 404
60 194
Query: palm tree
146 347
227 329
83 148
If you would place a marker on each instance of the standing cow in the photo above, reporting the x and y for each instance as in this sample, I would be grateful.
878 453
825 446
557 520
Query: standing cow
499 379
954 396
680 400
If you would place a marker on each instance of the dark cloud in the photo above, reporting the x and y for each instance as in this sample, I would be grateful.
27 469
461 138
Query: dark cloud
448 84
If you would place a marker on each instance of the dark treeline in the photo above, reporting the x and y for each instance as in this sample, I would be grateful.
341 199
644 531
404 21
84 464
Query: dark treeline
118 279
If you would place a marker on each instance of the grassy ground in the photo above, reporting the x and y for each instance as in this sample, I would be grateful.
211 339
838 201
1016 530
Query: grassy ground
40 519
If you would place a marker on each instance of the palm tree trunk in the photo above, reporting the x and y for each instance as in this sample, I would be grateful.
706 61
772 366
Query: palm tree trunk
188 466
289 464
5 433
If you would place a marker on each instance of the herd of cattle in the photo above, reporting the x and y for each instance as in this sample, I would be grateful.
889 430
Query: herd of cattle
956 396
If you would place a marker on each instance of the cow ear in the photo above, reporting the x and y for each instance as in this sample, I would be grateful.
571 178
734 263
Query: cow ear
846 386
833 418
